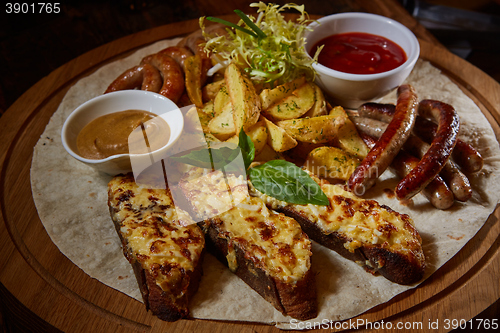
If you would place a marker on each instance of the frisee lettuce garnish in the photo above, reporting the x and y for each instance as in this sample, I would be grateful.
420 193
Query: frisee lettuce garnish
269 48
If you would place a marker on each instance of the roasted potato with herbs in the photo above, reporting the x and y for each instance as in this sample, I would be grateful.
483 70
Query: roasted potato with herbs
268 154
244 99
193 78
258 135
197 119
294 105
300 152
319 129
222 126
320 107
221 100
348 137
209 91
331 163
278 138
269 97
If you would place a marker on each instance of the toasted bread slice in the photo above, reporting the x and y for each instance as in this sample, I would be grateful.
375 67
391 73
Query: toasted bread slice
266 249
163 244
373 235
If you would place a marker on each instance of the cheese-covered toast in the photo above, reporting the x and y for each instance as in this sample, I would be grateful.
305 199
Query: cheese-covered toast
266 249
373 235
163 244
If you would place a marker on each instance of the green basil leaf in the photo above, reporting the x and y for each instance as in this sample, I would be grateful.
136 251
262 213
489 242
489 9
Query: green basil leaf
247 148
287 182
208 158
216 158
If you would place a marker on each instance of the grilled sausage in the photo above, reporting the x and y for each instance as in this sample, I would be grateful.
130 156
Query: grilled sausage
464 154
173 78
451 174
389 144
178 53
196 43
377 111
145 77
439 151
437 192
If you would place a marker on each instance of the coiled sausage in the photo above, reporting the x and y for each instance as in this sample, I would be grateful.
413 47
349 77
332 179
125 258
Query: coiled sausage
173 78
145 77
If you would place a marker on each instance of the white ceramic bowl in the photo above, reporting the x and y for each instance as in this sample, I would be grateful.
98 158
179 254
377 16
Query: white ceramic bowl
115 102
351 90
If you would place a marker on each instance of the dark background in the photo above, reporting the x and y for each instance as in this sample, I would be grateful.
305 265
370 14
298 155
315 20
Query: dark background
33 45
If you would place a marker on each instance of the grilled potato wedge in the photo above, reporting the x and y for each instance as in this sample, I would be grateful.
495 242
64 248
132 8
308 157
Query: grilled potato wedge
244 99
193 78
269 97
300 101
211 90
331 163
319 107
348 137
221 100
278 138
258 135
222 126
319 129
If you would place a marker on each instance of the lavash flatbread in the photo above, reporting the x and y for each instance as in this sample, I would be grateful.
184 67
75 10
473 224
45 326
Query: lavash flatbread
86 235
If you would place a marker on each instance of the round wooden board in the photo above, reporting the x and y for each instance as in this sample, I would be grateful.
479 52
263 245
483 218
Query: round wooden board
50 285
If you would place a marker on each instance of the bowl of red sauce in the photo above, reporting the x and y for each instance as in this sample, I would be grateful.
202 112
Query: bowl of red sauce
363 57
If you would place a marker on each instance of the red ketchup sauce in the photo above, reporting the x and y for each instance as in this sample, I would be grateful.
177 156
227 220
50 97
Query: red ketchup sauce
359 53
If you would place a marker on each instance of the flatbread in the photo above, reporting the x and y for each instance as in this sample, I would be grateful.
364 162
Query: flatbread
86 235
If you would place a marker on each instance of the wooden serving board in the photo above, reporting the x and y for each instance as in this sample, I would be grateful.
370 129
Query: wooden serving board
46 282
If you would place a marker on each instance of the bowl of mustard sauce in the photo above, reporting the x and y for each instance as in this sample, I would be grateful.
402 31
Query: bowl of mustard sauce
108 131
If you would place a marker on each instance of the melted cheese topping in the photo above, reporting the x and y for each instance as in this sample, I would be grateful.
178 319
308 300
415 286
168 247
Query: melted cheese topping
273 241
363 222
211 193
162 238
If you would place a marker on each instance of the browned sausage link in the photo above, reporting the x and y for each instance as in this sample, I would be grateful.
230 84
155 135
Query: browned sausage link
466 156
451 174
370 126
178 53
152 80
192 41
389 144
145 77
377 111
196 43
437 192
457 181
438 153
173 79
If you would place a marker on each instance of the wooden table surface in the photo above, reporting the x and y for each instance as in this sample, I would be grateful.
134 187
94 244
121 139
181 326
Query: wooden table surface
41 284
